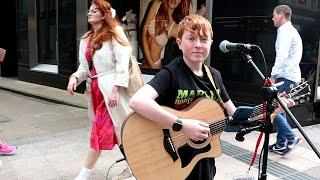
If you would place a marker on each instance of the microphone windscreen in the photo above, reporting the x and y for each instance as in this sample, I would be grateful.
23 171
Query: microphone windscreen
223 46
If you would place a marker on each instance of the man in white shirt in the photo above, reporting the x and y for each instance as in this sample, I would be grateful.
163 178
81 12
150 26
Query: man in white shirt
286 69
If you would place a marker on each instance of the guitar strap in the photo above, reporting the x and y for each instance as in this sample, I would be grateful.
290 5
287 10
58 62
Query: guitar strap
220 101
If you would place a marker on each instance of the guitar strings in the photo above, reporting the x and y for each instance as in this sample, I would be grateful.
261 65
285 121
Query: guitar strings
218 126
215 127
294 91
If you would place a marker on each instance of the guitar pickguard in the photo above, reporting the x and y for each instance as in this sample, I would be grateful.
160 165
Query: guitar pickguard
187 153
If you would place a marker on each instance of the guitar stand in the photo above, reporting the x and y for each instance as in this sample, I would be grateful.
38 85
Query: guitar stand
269 94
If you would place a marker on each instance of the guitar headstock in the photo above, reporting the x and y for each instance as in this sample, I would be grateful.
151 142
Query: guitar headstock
300 93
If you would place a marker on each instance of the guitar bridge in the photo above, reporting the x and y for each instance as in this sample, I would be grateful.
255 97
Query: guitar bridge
168 145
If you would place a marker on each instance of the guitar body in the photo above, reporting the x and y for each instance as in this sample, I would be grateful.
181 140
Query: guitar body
147 147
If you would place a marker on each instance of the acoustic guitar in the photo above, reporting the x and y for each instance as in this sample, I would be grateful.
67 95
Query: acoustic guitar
154 152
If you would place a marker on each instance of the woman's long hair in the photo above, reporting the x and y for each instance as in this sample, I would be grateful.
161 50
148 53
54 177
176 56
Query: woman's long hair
179 13
110 27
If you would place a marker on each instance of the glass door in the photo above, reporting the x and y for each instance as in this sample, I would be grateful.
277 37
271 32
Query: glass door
47 39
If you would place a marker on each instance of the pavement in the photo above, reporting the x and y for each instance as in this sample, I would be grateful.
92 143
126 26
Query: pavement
59 151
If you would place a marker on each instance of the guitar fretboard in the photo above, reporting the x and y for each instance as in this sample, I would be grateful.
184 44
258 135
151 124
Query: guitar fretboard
257 110
218 126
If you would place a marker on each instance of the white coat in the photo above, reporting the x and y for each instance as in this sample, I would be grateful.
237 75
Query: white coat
111 64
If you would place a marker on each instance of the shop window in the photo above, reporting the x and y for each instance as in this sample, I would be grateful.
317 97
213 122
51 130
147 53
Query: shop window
47 32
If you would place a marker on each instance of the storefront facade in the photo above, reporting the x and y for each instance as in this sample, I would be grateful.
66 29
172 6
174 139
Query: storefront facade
44 38
252 23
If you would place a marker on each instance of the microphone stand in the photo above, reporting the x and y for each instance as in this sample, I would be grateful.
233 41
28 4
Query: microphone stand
270 93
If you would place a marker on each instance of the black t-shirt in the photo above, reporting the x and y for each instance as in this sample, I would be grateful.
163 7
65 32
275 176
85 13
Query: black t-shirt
178 86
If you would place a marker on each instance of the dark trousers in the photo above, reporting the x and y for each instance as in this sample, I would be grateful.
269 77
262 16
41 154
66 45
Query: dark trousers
205 169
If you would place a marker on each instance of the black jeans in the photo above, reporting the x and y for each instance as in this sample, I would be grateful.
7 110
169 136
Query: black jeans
205 169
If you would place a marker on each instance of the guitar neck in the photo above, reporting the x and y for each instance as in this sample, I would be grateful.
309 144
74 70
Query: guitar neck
218 126
257 110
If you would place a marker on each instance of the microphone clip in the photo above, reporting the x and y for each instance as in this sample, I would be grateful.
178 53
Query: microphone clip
243 131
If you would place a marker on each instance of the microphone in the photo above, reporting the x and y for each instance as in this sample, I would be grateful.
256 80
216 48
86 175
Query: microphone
244 131
226 46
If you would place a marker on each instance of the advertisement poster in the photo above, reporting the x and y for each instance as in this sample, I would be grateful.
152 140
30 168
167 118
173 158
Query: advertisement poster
159 28
152 28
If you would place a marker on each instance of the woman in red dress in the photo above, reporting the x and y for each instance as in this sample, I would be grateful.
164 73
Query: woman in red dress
104 56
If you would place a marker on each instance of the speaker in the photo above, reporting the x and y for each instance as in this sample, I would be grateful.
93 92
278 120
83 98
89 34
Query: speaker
305 115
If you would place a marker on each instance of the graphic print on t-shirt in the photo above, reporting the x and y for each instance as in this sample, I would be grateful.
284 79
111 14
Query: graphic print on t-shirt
185 97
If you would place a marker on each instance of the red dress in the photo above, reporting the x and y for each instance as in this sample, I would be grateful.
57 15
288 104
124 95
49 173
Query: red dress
103 135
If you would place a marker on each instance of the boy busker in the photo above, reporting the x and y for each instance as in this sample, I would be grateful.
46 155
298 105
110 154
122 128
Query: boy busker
187 75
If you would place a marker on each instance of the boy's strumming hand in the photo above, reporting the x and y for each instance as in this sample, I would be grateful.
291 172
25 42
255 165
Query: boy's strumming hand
195 129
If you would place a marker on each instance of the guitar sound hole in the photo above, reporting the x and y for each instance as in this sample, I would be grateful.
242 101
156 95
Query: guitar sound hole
198 142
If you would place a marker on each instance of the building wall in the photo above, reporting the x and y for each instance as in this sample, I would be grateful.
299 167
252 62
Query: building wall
235 21
8 39
253 24
56 71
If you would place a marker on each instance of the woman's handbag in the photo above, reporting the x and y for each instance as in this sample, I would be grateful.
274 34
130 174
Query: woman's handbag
135 77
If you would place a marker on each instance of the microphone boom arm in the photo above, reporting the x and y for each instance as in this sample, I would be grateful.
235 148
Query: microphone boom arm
248 58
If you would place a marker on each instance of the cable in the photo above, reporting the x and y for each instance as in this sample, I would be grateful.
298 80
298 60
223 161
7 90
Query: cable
109 170
259 167
264 60
117 161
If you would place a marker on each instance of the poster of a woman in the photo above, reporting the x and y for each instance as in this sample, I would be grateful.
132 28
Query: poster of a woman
159 28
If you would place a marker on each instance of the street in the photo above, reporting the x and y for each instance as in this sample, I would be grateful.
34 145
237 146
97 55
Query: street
52 140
